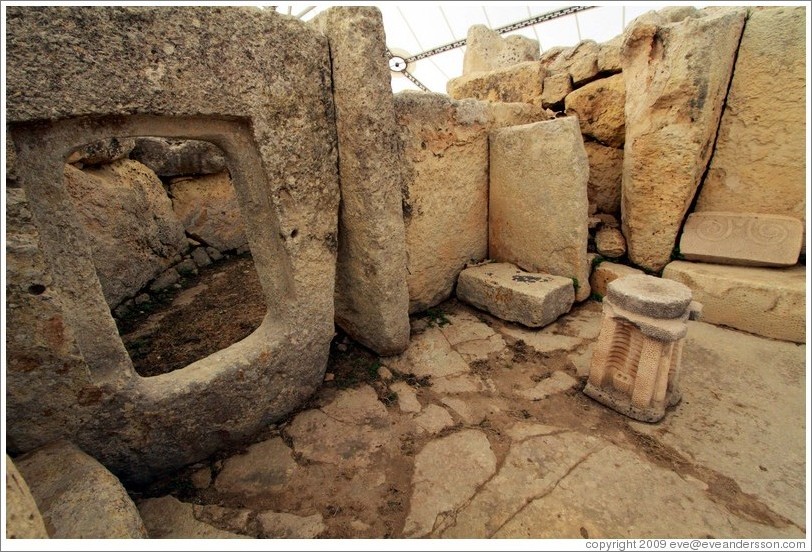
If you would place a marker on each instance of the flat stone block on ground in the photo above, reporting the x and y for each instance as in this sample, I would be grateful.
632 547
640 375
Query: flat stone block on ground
509 293
748 239
763 301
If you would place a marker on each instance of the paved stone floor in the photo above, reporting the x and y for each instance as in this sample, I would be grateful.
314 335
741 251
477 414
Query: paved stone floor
480 430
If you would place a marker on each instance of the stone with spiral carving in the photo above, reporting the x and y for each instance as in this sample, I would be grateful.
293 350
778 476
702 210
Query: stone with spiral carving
750 239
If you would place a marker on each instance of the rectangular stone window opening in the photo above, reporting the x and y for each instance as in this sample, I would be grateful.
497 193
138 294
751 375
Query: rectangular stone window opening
169 246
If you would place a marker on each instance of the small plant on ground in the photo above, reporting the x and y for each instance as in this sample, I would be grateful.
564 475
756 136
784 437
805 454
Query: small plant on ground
436 317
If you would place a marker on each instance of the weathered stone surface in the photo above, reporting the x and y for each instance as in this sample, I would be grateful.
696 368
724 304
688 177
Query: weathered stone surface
169 518
179 157
580 61
281 525
345 433
430 354
434 419
265 466
558 382
759 161
533 467
446 185
679 73
613 513
607 272
522 82
511 294
372 297
200 257
407 398
542 341
763 301
556 88
166 279
208 209
82 79
129 223
605 176
447 472
749 239
11 164
609 55
23 520
650 296
610 242
486 50
745 423
77 496
599 107
539 174
102 152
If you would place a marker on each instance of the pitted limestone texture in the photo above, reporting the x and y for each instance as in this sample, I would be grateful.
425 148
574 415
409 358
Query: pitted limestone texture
749 239
372 297
636 362
509 293
78 71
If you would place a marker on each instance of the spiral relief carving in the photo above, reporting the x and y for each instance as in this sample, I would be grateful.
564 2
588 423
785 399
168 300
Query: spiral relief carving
765 232
714 229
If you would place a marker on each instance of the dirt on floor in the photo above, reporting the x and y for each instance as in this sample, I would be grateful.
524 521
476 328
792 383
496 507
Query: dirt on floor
212 310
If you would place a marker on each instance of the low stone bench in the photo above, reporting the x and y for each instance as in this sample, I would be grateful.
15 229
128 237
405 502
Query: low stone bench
507 292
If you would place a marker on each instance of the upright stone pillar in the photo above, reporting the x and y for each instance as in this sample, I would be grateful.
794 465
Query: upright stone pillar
636 364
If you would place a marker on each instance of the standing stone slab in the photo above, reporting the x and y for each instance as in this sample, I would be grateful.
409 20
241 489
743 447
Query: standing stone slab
23 520
78 497
76 76
372 298
445 189
538 199
749 239
678 74
503 290
759 161
486 50
764 301
128 217
522 82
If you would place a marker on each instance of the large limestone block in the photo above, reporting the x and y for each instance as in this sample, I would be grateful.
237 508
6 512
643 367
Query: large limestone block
372 297
208 209
445 193
503 290
555 89
763 301
129 221
749 239
518 83
580 61
179 157
78 497
679 73
599 107
486 50
538 199
605 176
759 161
73 77
23 520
